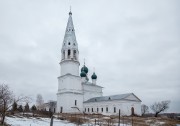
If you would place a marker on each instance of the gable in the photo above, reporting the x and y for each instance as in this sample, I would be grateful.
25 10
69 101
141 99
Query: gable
132 97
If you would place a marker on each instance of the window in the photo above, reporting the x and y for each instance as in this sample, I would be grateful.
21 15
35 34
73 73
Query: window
69 43
92 109
114 109
88 109
69 53
85 110
97 109
74 44
75 102
109 98
61 109
106 109
102 109
74 54
132 111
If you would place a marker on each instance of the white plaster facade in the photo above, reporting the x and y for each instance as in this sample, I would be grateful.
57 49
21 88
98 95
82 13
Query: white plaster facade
112 106
76 93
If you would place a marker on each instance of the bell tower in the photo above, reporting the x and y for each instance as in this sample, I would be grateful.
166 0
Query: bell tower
70 93
69 52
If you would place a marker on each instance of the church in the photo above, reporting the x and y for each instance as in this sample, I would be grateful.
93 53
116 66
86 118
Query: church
78 93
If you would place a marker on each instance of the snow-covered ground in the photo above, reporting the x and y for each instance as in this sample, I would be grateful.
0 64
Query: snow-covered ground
15 121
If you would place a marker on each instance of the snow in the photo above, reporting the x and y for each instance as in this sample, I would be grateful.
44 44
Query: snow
15 121
22 121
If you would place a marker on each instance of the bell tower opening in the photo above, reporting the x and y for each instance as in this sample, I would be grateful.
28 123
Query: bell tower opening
69 53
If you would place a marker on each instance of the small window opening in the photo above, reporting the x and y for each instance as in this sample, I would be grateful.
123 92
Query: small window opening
102 109
88 109
95 100
92 109
75 102
74 44
85 110
69 43
74 54
106 109
63 54
54 110
69 53
109 98
97 109
61 110
114 109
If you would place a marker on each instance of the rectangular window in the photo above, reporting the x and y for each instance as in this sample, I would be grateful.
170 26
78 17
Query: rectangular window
97 109
114 109
88 109
61 109
92 109
85 110
102 109
75 102
106 109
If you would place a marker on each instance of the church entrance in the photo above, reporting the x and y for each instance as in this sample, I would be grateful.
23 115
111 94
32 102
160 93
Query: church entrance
132 111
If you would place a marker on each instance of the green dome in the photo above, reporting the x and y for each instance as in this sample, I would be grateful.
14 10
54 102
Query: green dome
85 69
83 74
94 76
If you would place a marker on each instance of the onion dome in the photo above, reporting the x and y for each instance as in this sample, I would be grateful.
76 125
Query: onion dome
85 69
94 76
83 74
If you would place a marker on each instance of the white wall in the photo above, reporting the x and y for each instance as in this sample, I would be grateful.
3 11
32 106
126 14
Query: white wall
124 106
69 66
91 90
67 101
69 90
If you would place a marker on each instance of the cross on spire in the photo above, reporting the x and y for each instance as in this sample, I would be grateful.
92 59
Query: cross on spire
70 13
84 61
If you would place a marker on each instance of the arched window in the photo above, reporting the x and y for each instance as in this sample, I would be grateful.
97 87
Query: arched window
74 54
106 109
114 109
63 55
75 102
132 111
69 53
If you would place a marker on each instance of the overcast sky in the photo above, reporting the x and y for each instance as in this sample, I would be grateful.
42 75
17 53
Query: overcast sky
133 45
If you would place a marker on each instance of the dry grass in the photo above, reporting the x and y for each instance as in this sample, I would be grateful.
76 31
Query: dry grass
113 120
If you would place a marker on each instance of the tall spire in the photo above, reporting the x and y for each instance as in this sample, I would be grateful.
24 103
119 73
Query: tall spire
69 49
70 37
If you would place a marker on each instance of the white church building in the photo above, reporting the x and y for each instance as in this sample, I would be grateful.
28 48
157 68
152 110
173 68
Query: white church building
76 94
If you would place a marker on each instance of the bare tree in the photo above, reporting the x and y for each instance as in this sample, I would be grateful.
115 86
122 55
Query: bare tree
144 109
159 107
39 102
6 100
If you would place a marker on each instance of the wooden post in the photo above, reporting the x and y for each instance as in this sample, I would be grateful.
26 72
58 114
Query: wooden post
132 120
119 117
51 124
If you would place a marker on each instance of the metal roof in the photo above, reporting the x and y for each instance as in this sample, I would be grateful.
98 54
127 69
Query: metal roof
112 97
